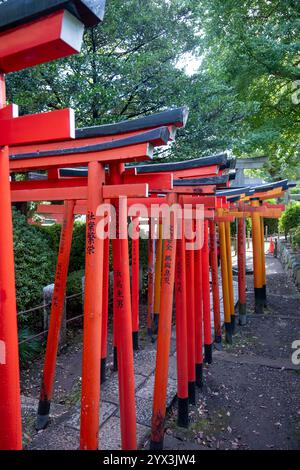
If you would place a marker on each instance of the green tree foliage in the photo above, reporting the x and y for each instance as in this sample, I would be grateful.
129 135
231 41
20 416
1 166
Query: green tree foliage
243 97
253 46
290 219
34 262
132 65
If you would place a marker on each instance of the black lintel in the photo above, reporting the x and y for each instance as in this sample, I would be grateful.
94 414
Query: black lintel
233 191
156 137
183 165
17 12
269 186
211 180
176 117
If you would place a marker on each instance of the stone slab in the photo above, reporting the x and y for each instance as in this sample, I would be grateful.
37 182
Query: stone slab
146 391
106 411
110 436
110 389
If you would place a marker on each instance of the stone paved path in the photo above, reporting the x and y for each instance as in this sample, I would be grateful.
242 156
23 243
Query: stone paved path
63 430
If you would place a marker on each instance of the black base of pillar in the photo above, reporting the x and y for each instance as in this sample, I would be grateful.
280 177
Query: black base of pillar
155 323
242 314
218 343
103 370
156 445
192 393
265 296
115 366
42 419
135 340
208 353
183 412
199 375
259 299
233 325
228 333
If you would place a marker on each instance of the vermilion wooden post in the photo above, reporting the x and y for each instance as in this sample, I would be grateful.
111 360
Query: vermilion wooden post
206 297
105 309
230 277
198 317
157 278
242 270
181 336
135 288
164 335
215 281
123 324
225 289
263 262
190 307
150 280
56 314
90 392
10 405
257 258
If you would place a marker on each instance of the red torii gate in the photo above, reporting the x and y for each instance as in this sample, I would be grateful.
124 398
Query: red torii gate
160 389
131 148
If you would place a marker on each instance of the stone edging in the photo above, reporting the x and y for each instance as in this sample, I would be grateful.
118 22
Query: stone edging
290 261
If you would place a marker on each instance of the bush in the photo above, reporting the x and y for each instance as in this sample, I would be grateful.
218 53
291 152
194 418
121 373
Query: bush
77 256
290 219
74 286
34 262
28 350
295 234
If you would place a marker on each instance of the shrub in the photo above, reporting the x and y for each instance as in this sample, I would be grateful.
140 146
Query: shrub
34 262
290 218
28 350
74 286
295 234
77 256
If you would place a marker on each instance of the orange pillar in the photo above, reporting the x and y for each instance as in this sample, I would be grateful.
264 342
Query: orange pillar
57 309
198 294
263 260
10 405
92 322
190 307
164 335
123 323
150 280
135 283
225 288
105 300
230 276
257 259
157 278
242 270
206 297
215 281
181 336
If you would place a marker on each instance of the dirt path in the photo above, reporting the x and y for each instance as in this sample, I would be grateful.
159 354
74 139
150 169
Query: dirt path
251 399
